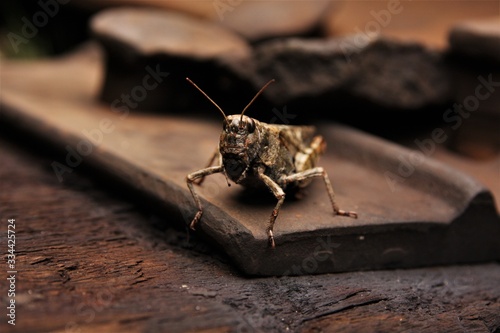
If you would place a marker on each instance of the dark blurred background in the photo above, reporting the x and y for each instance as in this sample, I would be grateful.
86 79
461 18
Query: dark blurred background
61 33
425 21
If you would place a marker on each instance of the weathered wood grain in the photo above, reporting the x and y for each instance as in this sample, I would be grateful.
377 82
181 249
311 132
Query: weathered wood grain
91 260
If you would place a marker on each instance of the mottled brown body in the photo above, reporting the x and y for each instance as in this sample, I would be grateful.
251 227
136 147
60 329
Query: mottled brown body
256 154
277 149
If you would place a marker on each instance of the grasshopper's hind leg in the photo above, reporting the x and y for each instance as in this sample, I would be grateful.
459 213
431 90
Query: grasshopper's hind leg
320 172
191 179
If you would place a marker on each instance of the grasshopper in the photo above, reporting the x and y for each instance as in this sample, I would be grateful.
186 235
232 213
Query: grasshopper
256 154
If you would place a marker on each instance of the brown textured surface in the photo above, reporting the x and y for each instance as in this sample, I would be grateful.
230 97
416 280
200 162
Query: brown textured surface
425 217
90 260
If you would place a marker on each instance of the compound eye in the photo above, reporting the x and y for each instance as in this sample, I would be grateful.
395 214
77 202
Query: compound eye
251 126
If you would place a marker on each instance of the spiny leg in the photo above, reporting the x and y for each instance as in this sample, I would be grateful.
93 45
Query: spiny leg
320 172
280 195
190 179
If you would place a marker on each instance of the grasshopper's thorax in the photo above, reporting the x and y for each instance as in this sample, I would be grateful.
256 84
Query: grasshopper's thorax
239 145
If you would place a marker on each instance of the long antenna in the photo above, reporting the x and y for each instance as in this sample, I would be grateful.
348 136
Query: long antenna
257 95
218 107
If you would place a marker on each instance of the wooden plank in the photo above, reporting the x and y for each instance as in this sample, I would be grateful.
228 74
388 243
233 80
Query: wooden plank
91 260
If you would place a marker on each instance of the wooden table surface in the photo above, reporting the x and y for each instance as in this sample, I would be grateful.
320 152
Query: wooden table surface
92 258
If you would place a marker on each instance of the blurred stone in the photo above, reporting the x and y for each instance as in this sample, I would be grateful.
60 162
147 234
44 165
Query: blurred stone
385 74
255 20
474 118
478 138
151 31
477 83
167 47
354 75
477 38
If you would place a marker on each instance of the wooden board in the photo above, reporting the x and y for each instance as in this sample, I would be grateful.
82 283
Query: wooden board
90 259
421 214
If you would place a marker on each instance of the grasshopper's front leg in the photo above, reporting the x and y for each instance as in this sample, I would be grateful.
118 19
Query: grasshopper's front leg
280 195
190 179
209 164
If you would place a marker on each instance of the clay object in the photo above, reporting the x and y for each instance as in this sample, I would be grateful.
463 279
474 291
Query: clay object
343 75
258 20
254 20
327 74
168 47
474 56
479 38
